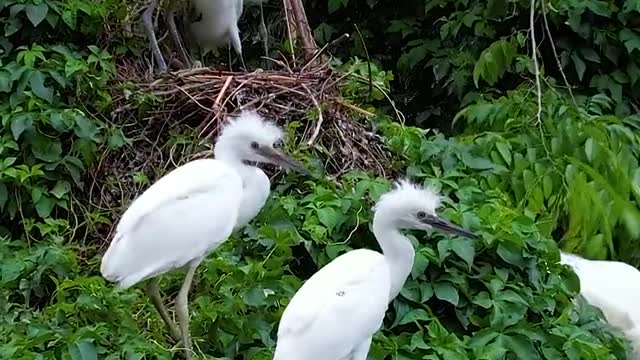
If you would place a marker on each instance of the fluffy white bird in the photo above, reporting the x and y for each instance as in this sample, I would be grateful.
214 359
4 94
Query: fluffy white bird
189 212
334 315
614 287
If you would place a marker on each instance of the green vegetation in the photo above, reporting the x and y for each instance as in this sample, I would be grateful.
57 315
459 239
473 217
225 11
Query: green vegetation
527 184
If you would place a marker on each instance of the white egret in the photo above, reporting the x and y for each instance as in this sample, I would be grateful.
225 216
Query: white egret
612 286
213 24
217 25
189 212
334 315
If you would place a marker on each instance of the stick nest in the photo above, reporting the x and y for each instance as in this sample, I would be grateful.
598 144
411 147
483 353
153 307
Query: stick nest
160 115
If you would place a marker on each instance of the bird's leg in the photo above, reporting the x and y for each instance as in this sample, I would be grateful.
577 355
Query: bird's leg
147 19
177 39
153 291
237 47
182 307
263 32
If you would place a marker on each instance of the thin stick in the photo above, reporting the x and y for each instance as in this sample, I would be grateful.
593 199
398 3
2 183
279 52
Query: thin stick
290 33
534 46
555 52
354 108
316 131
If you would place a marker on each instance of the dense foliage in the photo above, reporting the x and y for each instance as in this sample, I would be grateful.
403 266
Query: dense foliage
524 185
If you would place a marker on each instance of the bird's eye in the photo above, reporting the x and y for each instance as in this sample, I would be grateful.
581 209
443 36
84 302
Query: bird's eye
421 215
278 143
254 145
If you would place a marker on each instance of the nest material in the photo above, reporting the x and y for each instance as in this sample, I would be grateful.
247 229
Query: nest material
162 136
205 98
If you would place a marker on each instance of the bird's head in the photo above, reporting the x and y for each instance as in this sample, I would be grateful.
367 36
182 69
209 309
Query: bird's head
250 138
409 206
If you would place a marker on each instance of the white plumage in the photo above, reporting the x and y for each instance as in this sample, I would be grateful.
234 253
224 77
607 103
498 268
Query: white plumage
218 24
334 315
189 212
614 287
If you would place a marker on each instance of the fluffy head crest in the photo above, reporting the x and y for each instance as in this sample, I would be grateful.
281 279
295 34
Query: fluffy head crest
250 125
408 196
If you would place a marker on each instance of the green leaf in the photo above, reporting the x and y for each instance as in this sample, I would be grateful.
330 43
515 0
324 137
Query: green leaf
580 66
631 39
334 5
414 315
21 123
61 189
4 195
37 13
426 291
44 206
83 350
465 249
255 297
328 217
36 82
589 149
45 148
444 290
504 148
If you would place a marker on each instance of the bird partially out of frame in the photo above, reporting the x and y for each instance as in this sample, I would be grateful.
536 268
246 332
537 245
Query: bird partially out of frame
189 212
614 288
335 314
211 23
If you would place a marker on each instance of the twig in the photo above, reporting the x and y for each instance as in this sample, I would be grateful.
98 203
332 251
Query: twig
289 32
355 108
555 52
366 52
316 131
534 49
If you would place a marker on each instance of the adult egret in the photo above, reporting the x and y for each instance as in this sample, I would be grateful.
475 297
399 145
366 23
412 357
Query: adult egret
214 24
614 287
189 212
334 315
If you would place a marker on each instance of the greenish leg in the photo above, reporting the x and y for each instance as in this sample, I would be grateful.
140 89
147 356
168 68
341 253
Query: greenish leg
182 308
153 291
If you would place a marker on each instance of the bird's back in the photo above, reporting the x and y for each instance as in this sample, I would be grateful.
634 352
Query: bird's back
339 307
180 218
612 286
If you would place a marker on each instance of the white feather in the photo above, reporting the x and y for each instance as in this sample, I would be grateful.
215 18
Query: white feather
219 23
182 217
339 305
612 286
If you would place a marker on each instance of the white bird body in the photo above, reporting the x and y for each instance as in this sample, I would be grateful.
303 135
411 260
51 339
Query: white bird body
340 303
335 314
183 216
218 25
189 212
613 287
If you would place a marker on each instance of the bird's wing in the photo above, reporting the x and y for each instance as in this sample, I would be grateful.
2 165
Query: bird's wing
180 218
337 309
612 286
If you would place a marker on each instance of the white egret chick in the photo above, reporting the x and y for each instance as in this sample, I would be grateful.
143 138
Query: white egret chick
335 314
614 287
193 209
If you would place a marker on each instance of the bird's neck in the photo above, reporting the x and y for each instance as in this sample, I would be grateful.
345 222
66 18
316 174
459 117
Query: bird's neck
255 191
398 252
255 183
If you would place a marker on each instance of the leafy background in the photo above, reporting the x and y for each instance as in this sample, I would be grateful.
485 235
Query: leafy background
528 186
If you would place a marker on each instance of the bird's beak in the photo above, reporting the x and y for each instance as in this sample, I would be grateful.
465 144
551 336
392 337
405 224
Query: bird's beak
441 224
279 158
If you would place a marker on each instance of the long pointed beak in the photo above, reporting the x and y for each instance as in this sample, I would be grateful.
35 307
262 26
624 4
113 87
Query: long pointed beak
280 158
441 224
